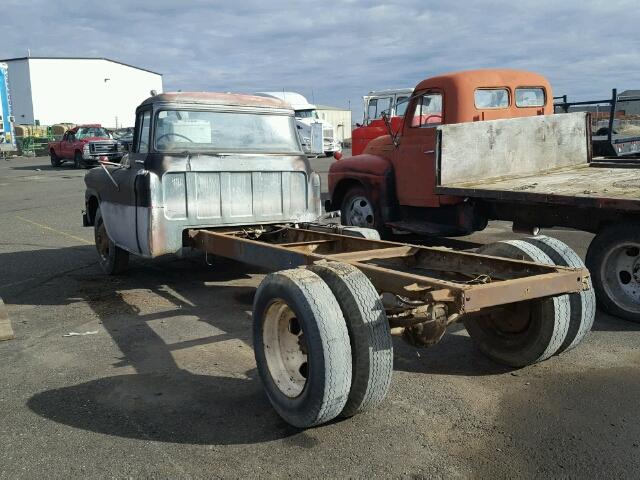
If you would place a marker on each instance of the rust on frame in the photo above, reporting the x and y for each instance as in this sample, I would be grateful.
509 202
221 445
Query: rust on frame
466 282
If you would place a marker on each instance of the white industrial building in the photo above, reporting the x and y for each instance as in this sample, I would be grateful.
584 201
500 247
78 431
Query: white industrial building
340 118
52 90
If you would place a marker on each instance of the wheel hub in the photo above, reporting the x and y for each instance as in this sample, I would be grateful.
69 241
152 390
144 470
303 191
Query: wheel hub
622 271
285 349
360 212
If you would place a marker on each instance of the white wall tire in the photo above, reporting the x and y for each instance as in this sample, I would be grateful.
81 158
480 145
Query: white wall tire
526 332
371 343
583 304
318 391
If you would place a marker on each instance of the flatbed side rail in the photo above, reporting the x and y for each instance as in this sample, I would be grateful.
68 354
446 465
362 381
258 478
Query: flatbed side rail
466 281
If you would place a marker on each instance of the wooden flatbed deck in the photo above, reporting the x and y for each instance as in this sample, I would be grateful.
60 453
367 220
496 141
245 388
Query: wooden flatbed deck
591 185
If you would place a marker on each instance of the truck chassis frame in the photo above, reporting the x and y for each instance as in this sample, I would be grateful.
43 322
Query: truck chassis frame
466 282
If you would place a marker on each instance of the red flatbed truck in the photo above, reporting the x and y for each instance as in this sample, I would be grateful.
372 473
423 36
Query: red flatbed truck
484 145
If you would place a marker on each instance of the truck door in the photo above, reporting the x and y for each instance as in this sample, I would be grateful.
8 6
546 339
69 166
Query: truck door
62 145
120 204
67 147
414 161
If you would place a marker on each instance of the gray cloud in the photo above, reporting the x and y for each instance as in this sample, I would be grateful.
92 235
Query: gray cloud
338 50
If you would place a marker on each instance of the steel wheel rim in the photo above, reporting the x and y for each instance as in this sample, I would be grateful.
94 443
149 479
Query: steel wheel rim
508 320
621 274
285 349
360 212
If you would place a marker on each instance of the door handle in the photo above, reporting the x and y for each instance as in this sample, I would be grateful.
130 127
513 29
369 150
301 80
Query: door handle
429 151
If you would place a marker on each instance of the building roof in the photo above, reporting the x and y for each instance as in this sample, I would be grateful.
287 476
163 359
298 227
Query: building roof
628 93
79 58
213 98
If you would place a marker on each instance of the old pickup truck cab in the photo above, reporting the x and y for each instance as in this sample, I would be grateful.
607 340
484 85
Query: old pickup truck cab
485 145
199 160
394 180
84 145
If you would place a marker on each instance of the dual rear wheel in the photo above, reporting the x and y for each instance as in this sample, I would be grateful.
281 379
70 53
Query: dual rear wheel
528 332
322 343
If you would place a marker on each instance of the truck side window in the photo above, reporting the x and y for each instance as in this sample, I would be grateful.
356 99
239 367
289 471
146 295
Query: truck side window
401 106
384 105
428 111
143 137
377 106
372 109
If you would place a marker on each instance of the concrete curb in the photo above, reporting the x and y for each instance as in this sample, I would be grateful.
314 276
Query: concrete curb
6 332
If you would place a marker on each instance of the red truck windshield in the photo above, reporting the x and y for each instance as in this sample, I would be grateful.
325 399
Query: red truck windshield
87 132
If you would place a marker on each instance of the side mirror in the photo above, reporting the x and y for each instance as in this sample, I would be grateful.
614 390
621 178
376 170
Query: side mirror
387 123
337 155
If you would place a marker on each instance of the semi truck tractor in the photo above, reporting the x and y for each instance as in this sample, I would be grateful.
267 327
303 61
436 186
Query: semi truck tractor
306 116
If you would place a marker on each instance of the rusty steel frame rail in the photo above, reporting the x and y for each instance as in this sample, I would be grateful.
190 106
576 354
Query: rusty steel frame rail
390 266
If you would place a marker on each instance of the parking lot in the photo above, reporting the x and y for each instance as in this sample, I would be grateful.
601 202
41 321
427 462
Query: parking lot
164 382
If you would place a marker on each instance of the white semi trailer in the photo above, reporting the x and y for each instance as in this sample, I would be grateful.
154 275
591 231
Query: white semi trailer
306 116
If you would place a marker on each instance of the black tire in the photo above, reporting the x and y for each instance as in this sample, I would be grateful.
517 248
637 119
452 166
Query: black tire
617 286
583 304
358 210
55 160
113 259
369 333
322 334
78 162
547 319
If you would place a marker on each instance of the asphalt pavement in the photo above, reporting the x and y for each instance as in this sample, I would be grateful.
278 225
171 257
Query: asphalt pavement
161 382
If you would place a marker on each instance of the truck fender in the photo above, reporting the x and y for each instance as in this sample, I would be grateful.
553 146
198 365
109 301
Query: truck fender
372 172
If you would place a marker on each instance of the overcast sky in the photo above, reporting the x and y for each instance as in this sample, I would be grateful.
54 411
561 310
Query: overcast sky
337 51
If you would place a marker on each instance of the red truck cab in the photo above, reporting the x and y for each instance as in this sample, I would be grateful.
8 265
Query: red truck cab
85 145
392 183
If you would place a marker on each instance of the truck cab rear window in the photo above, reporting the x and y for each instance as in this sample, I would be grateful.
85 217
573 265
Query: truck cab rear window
530 97
486 98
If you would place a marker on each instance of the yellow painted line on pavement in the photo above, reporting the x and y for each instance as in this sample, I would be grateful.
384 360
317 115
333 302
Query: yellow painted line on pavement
59 232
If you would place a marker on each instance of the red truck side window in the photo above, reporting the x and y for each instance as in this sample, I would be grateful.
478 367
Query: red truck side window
428 111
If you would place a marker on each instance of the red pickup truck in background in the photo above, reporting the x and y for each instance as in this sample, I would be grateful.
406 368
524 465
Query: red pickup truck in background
85 145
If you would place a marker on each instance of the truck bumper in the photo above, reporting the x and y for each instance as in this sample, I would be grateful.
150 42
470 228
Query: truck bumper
95 158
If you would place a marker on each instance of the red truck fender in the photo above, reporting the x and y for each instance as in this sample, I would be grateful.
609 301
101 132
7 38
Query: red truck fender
372 173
